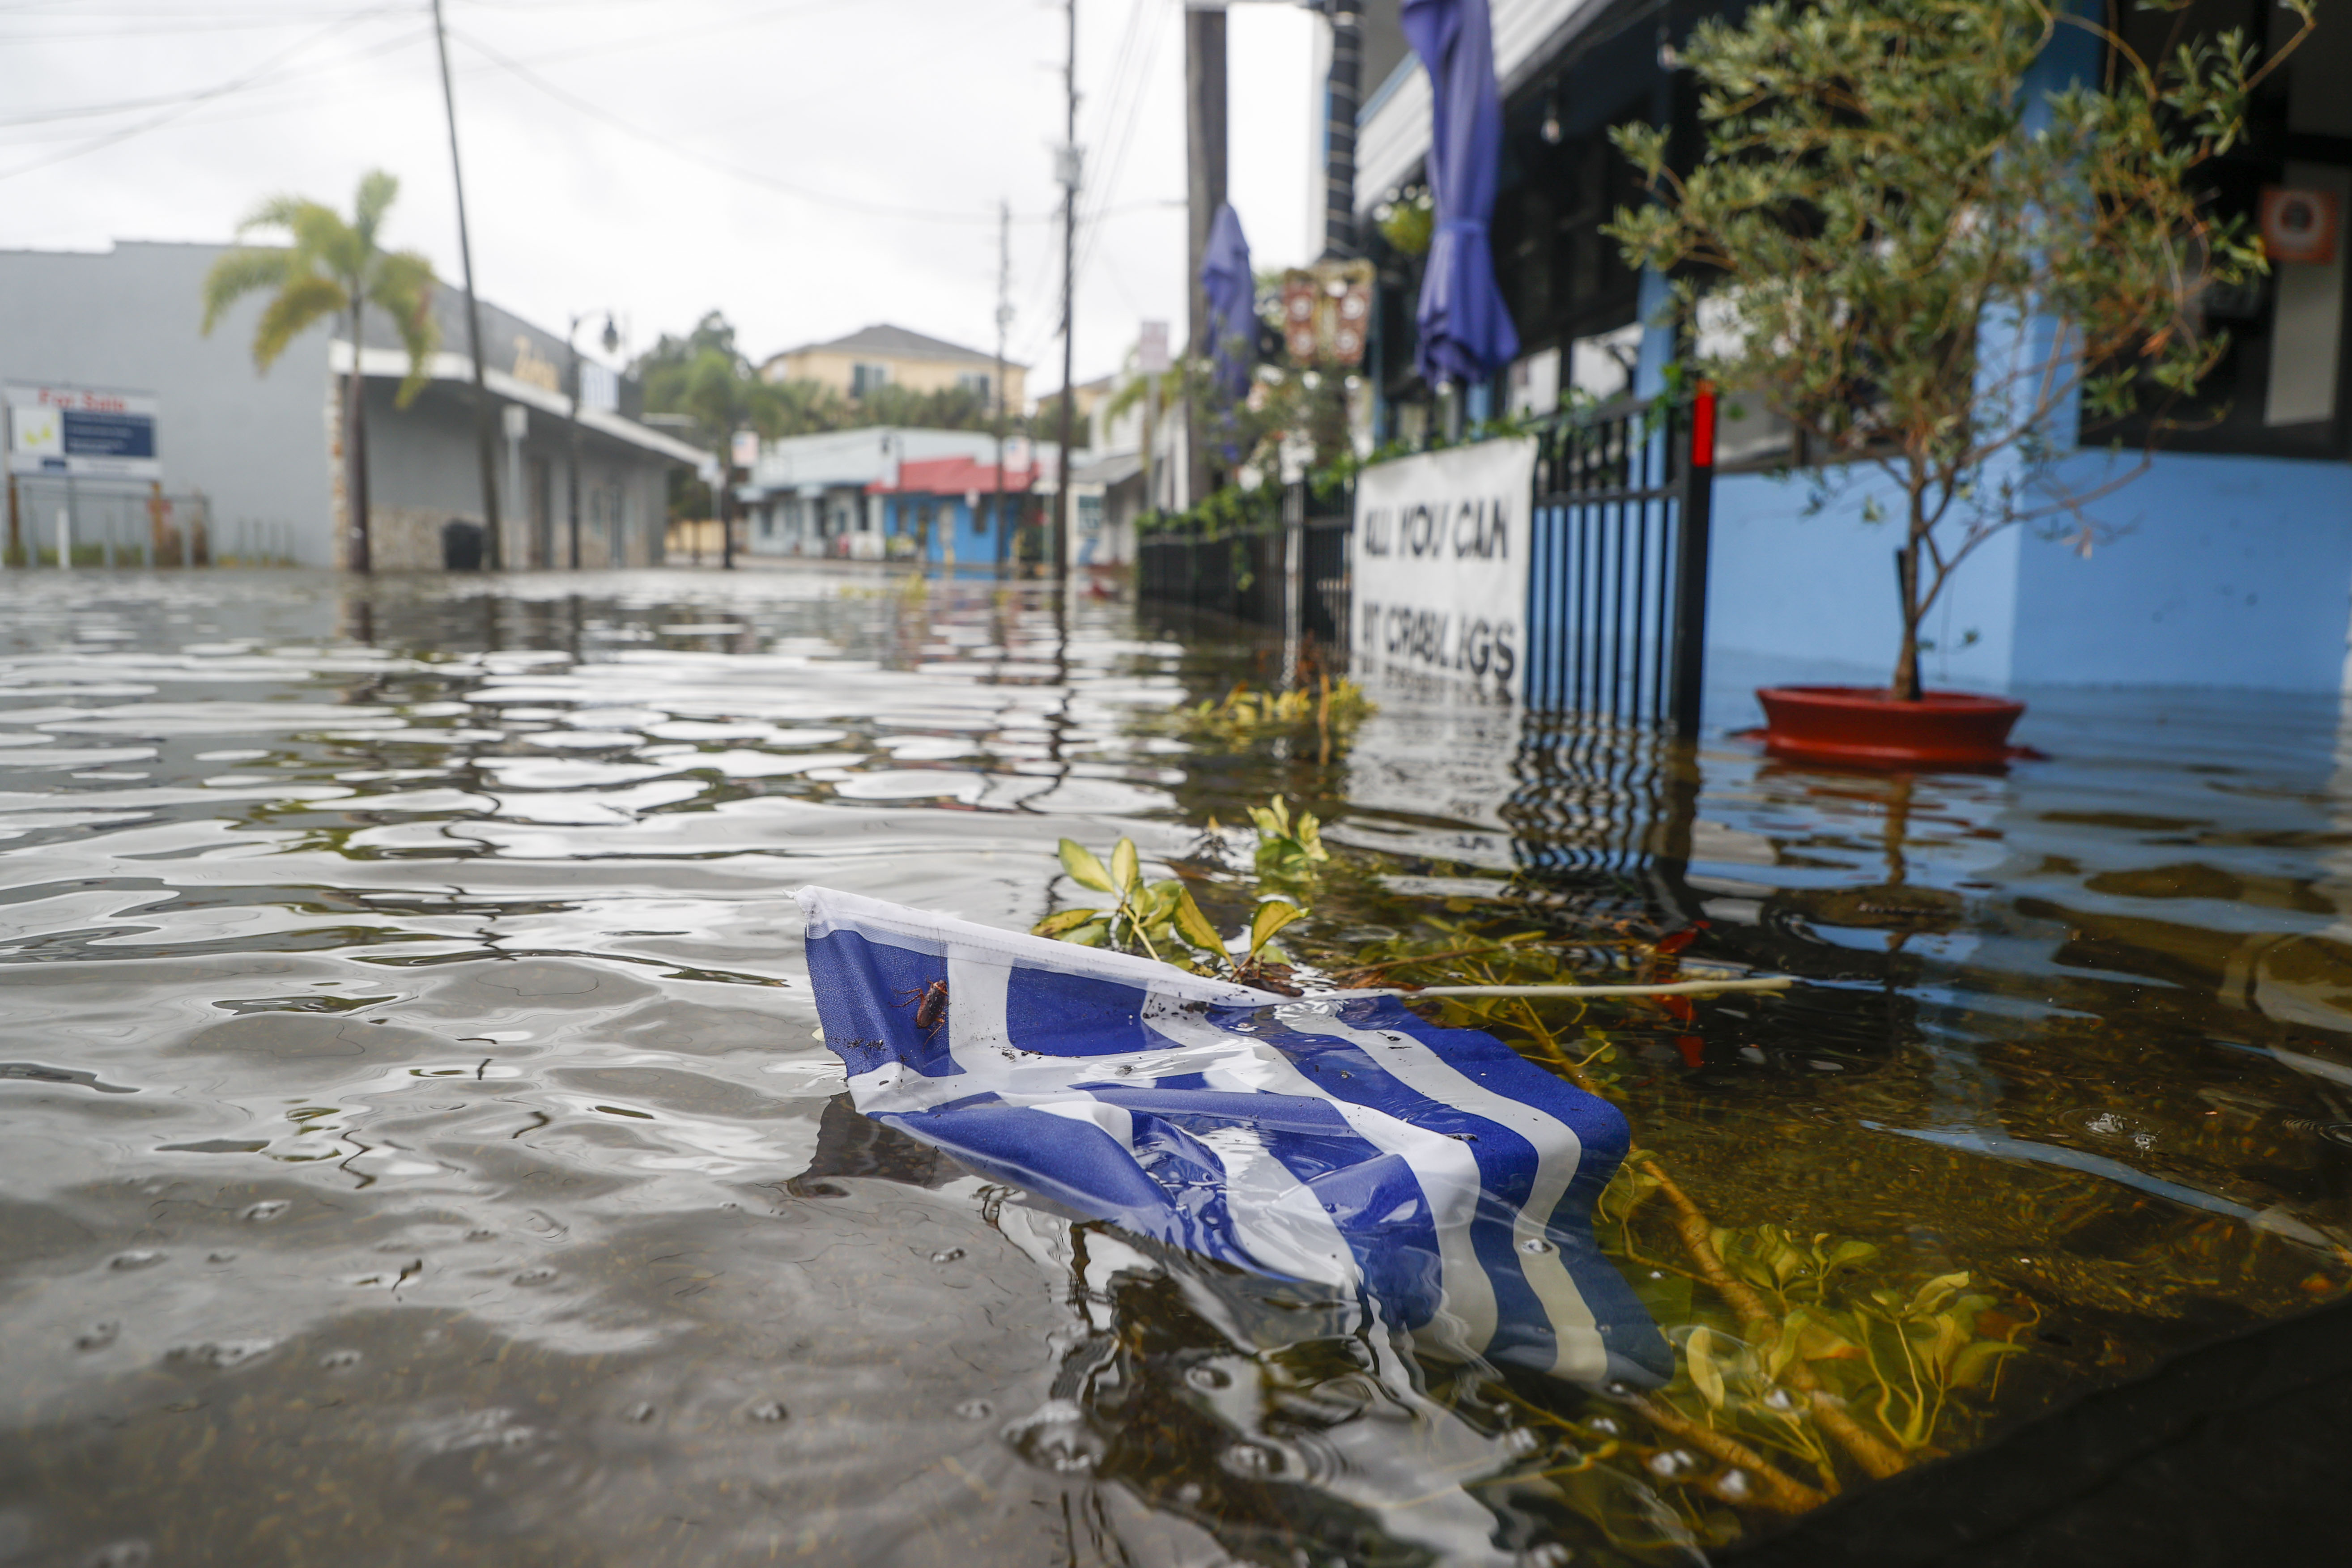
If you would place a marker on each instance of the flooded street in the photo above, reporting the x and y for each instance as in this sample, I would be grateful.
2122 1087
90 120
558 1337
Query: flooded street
419 1150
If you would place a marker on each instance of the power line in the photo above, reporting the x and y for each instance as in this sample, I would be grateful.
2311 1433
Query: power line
295 12
197 99
149 28
1114 159
224 106
655 139
99 110
674 34
1117 143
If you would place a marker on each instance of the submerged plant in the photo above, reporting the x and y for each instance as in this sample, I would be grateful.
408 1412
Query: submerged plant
1806 1361
1331 709
1164 922
1289 849
1804 1349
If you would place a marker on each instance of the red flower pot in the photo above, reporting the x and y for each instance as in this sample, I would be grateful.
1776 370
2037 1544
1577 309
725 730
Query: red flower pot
1863 726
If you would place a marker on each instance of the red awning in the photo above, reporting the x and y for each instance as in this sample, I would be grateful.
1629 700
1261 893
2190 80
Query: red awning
951 477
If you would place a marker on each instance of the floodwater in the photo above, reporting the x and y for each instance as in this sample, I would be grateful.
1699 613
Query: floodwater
417 1152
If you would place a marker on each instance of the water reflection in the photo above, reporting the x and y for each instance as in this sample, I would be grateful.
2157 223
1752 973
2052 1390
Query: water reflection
419 1150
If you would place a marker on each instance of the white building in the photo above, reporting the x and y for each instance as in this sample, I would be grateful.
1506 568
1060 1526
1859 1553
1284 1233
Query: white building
807 494
1126 469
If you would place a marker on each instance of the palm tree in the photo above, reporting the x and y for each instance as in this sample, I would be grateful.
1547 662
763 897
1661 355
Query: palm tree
333 267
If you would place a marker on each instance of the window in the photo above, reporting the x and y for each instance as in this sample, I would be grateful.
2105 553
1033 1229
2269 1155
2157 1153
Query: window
1562 278
1602 365
2279 389
976 383
600 389
866 379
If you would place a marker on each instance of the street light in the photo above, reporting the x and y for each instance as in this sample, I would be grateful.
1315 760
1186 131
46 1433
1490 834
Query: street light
611 339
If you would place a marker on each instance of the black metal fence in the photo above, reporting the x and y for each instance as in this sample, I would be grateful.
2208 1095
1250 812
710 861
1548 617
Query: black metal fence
1616 611
55 522
1238 574
1617 568
1323 551
1291 578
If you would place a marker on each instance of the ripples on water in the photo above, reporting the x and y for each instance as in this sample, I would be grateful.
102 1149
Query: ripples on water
417 1150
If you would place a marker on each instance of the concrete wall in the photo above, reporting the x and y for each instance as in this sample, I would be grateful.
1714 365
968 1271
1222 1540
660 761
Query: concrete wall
425 469
264 449
256 444
1810 595
2231 571
2225 571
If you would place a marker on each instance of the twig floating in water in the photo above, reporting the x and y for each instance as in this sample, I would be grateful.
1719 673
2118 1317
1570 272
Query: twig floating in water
1670 988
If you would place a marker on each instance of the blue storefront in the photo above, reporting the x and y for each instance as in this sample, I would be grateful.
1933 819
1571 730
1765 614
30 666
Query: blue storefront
2228 563
952 510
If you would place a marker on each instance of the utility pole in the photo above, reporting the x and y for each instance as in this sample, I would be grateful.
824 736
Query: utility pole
1151 360
1069 302
571 458
723 503
493 549
357 554
1150 441
611 342
1343 90
1204 168
1003 320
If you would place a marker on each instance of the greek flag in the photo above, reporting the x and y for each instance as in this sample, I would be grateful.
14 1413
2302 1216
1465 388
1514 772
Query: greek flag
1337 1141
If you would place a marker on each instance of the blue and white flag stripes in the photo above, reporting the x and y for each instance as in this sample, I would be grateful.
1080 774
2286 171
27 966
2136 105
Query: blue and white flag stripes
1341 1140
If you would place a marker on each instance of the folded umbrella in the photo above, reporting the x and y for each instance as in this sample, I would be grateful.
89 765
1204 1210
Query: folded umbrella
1232 291
1465 329
1343 1141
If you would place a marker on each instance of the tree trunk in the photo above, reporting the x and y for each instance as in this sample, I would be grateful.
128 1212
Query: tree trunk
355 496
1906 686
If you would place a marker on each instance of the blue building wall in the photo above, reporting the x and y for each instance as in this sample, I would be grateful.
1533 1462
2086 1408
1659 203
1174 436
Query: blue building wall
951 518
1807 595
2231 571
2225 571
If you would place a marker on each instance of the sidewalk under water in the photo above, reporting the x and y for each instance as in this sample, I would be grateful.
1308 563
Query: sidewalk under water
419 1151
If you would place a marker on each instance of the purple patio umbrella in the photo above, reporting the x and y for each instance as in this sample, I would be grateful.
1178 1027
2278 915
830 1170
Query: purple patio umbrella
1465 329
1232 289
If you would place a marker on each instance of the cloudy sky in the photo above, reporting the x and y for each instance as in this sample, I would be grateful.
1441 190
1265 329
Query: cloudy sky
808 166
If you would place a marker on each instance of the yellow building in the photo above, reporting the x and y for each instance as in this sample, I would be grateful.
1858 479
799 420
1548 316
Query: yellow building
893 356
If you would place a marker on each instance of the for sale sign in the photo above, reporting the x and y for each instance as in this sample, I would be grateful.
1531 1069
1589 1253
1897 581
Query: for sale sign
79 432
1438 564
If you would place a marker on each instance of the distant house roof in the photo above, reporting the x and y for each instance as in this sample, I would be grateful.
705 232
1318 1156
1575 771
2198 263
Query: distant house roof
898 343
951 477
1115 469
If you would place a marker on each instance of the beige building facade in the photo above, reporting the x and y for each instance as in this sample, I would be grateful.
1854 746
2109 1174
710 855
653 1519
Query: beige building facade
894 356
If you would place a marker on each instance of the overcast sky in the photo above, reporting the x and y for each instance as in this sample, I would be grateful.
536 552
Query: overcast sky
808 166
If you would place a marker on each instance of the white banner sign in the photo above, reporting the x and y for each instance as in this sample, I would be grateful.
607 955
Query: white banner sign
1438 564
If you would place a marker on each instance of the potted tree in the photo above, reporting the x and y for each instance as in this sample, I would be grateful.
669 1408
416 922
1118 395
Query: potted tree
1916 233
